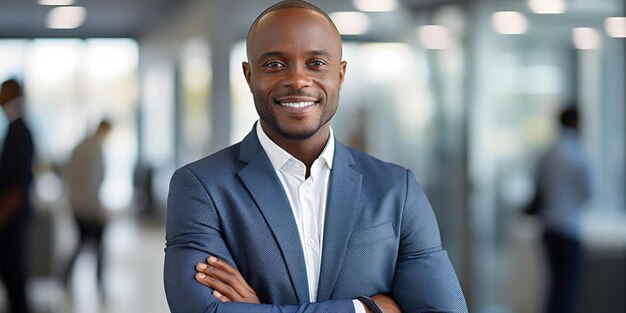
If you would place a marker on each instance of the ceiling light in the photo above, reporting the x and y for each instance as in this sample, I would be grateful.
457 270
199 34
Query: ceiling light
434 37
547 6
509 22
66 17
375 5
615 27
586 38
56 2
351 23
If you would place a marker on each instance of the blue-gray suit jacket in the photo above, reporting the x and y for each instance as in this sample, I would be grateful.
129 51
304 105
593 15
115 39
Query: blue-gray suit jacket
380 236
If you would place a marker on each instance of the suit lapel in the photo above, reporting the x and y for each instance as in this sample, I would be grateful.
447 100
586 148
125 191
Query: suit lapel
341 210
261 181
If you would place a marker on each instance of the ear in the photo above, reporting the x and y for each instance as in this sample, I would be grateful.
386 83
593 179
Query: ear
342 72
247 74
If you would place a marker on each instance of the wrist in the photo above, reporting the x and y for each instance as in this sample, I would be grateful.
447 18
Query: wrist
369 304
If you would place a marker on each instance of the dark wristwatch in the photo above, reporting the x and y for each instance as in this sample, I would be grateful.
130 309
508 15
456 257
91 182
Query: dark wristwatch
370 304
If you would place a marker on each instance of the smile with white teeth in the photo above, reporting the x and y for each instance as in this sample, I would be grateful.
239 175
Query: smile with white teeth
297 104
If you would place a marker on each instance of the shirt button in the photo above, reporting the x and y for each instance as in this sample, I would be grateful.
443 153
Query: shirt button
310 242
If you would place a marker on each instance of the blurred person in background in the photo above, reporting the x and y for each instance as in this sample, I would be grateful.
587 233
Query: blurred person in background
564 184
16 176
84 174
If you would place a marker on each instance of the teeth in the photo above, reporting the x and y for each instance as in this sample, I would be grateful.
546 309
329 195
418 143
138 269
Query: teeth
297 104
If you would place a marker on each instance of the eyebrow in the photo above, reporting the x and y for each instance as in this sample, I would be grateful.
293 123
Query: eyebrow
320 52
270 54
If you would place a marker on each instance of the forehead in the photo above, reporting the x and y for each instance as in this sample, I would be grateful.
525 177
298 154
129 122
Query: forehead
293 28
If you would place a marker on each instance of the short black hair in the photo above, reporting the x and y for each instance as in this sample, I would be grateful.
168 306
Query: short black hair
289 4
104 123
569 117
14 84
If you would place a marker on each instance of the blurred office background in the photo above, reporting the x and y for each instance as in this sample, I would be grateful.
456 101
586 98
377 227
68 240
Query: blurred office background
463 92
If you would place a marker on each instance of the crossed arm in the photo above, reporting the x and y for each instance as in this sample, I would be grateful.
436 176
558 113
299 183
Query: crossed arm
229 285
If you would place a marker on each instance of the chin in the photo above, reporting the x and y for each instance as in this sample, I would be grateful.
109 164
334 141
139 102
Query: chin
297 136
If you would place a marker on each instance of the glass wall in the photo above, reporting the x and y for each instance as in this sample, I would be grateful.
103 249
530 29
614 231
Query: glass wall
70 85
527 67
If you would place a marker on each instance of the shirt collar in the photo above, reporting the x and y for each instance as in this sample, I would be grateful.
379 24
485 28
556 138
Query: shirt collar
278 156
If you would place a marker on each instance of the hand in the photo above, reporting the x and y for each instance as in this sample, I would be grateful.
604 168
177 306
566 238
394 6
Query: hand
385 303
226 281
9 204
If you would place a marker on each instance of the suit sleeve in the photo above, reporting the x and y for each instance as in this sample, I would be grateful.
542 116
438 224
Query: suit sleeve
193 232
424 278
17 159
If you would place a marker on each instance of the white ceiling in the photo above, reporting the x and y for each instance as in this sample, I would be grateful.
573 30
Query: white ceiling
105 18
131 18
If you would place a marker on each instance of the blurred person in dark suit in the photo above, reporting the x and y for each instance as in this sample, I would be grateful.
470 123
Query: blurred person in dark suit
84 174
16 176
564 184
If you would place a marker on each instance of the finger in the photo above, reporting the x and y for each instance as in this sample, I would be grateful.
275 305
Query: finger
202 268
220 297
221 264
222 288
229 279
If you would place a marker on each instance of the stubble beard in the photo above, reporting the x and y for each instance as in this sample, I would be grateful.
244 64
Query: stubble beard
266 114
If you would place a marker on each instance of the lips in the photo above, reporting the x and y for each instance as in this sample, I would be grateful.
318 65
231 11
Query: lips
298 105
297 102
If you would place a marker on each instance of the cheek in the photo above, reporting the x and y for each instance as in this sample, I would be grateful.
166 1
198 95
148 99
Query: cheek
331 86
331 80
263 86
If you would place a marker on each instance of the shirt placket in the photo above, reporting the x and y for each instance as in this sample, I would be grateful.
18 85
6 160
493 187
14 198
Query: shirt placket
310 229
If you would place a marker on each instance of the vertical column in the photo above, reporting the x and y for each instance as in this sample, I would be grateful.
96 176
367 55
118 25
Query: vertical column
223 36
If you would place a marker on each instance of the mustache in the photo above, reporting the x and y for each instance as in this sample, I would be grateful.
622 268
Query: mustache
290 92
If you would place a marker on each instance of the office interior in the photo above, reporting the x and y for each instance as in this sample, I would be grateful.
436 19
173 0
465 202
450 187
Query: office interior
464 93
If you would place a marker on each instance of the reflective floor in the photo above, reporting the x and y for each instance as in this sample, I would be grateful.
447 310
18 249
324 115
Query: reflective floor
132 277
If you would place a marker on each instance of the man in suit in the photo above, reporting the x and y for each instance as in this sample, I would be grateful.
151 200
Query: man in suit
16 176
289 219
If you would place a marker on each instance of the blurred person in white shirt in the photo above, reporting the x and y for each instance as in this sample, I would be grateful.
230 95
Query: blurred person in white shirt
564 183
84 174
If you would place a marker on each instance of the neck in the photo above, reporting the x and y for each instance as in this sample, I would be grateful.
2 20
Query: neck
12 109
307 150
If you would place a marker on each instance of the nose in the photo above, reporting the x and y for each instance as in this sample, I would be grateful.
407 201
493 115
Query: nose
297 77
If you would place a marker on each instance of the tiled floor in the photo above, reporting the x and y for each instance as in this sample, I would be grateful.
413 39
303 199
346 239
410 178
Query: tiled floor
133 276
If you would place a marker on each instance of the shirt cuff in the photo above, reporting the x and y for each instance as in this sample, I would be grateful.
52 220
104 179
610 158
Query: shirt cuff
358 306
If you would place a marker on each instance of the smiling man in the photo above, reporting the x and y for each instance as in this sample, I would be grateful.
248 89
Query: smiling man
289 219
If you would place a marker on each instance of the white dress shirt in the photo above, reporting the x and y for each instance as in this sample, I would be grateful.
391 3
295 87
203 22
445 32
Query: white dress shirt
307 198
565 182
84 174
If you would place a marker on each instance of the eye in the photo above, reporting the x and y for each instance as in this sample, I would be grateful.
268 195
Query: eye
273 64
316 63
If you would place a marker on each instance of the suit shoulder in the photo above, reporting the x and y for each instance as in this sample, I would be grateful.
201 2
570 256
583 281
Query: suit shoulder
217 163
374 165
